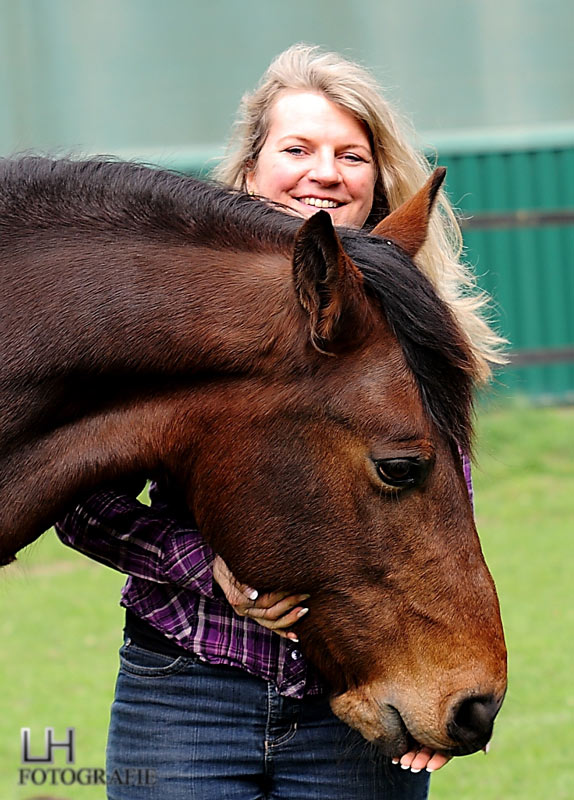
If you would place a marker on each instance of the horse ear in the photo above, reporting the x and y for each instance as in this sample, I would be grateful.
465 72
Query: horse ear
407 225
328 284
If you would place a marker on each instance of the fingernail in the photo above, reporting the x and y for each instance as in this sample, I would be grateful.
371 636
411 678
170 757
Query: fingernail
429 769
293 637
304 597
415 770
394 760
405 766
302 612
486 748
252 594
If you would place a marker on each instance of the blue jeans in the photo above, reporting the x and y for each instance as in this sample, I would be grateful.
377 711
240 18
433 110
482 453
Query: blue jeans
181 728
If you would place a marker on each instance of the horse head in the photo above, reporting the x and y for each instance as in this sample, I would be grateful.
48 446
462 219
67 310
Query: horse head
338 474
307 387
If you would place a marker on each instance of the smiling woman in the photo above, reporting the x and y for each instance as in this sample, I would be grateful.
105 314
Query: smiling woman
351 130
243 713
316 155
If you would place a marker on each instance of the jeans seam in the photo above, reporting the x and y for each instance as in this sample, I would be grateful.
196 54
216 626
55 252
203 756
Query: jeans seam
175 667
270 744
267 742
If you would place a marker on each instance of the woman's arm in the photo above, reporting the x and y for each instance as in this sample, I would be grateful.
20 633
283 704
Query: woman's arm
114 528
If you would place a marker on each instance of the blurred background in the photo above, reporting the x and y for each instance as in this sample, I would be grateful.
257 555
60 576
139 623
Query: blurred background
489 86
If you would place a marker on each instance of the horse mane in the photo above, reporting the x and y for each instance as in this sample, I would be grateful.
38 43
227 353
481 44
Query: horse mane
434 346
104 196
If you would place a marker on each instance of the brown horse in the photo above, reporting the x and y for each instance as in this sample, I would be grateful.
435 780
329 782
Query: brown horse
308 389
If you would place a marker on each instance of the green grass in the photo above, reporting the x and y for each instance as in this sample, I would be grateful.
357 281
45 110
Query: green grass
525 512
61 627
60 632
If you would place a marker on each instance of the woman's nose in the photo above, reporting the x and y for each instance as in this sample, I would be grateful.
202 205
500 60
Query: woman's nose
325 170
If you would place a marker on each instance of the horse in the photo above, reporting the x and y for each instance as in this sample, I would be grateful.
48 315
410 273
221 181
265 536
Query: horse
306 387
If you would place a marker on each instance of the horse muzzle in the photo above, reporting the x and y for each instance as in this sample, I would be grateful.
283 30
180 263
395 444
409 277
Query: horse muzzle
464 726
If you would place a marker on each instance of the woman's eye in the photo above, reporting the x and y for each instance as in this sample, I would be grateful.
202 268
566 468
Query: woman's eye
295 151
353 158
402 473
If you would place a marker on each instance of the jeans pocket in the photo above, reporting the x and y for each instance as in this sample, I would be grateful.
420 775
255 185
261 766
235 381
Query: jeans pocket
136 660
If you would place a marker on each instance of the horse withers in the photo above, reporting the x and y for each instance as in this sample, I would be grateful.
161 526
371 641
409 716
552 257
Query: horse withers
307 388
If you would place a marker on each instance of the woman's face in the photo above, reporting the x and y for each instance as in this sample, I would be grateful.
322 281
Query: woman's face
316 155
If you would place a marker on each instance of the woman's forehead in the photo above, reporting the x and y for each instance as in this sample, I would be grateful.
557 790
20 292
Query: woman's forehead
311 114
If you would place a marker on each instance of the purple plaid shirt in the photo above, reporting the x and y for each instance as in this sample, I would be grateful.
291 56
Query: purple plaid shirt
171 585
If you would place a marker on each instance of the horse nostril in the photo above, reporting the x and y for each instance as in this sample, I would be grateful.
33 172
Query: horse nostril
471 722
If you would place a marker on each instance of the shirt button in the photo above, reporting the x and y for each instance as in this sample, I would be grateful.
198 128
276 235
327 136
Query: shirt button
295 655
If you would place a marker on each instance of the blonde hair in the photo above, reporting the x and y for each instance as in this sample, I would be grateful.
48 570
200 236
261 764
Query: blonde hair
401 171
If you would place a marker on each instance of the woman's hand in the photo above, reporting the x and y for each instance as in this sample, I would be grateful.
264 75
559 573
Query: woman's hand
425 758
276 611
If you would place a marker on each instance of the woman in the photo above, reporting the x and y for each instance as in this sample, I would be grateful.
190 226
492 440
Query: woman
213 696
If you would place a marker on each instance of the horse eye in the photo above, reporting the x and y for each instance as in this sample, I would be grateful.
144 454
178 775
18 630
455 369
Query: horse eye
402 472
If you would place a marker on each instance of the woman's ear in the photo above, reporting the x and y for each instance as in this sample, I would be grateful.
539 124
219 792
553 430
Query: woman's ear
249 179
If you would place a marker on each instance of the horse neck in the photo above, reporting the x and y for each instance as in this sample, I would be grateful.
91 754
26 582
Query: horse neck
114 320
97 351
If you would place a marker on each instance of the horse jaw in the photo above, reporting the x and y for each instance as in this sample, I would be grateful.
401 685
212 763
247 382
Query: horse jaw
376 722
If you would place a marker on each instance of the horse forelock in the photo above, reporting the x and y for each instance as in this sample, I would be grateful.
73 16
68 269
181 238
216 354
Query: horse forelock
435 348
128 198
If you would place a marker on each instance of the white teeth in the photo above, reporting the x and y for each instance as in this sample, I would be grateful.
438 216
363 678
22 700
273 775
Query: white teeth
318 203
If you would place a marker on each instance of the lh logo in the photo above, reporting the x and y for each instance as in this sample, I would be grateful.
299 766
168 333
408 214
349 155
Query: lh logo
49 746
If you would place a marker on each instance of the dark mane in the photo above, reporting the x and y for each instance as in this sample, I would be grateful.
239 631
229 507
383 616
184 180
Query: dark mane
435 348
112 197
107 196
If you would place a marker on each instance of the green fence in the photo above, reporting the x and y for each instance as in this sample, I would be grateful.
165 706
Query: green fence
515 194
516 197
